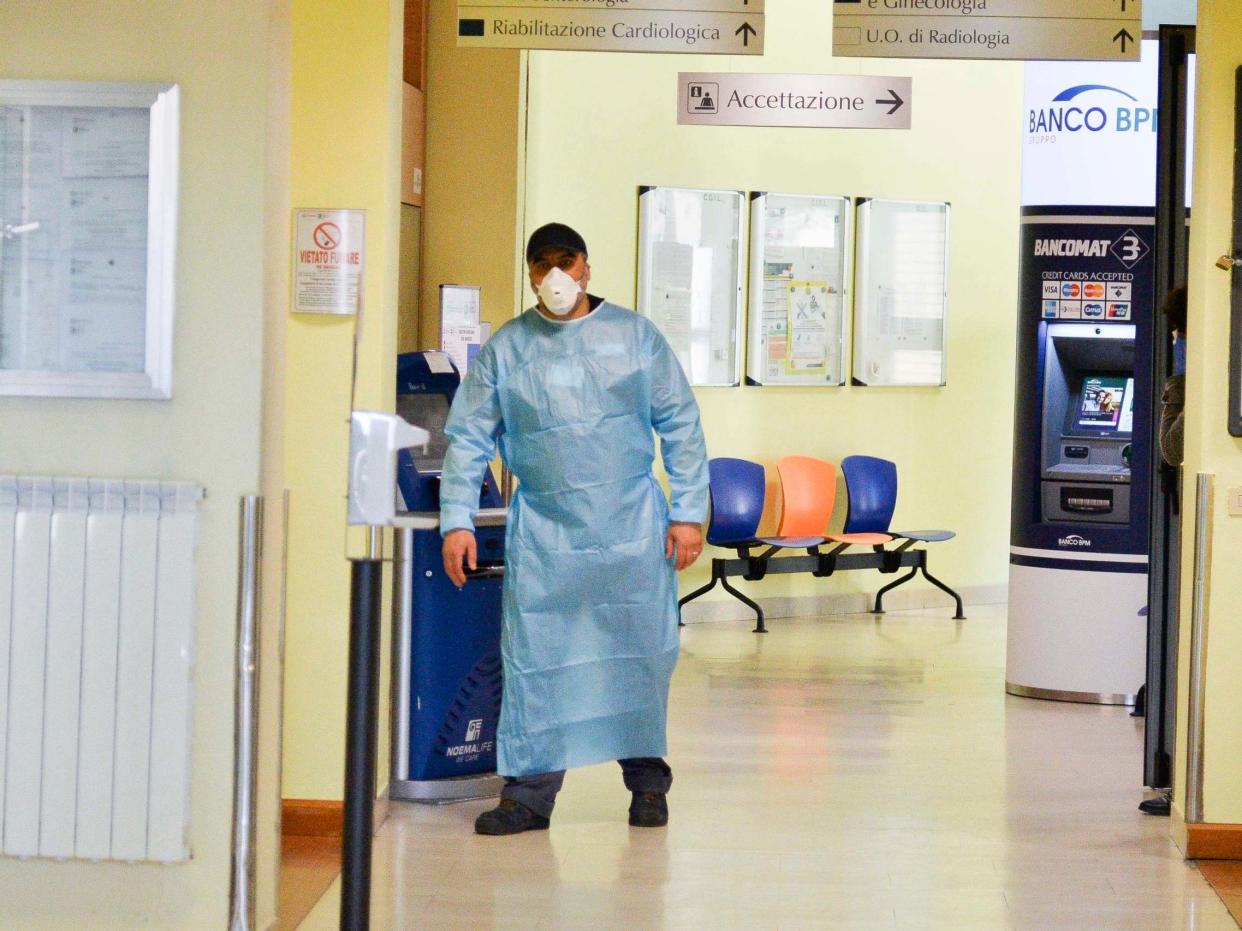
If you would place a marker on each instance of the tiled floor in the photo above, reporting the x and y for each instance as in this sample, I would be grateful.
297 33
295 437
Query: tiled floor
835 773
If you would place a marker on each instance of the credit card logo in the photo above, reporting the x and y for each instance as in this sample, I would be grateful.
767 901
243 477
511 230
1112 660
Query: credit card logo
1093 310
1050 309
1118 311
1052 289
1093 291
1071 289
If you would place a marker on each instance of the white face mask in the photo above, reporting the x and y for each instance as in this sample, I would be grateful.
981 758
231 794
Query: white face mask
559 292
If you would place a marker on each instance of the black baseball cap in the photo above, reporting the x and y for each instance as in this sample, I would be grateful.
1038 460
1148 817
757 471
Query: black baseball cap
554 236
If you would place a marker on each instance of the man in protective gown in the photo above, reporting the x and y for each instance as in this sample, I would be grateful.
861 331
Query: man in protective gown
573 392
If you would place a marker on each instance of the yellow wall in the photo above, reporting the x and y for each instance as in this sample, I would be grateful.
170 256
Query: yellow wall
272 607
208 432
470 227
601 125
1209 447
345 152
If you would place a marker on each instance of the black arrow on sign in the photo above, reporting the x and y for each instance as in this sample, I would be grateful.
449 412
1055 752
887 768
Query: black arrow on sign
894 100
746 30
1123 34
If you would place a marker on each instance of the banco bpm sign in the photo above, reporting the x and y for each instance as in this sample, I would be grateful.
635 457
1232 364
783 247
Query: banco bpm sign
701 27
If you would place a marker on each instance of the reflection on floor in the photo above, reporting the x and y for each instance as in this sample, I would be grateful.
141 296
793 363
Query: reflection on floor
835 773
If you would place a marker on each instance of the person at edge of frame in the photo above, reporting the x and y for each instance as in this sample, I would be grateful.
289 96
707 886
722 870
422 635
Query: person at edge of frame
1172 417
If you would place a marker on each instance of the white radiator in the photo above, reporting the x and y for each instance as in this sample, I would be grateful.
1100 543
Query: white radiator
96 648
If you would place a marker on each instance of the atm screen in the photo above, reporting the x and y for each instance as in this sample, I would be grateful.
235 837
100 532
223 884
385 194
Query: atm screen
1106 404
429 411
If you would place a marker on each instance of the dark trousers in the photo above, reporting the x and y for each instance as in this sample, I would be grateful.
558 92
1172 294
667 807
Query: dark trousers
538 792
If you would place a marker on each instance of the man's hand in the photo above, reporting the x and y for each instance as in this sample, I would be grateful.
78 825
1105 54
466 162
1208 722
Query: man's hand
686 540
459 547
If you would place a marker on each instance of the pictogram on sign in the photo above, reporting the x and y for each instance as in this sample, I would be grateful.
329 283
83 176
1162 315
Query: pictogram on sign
327 235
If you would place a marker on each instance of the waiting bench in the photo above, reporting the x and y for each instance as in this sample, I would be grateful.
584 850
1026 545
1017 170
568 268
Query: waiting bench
808 494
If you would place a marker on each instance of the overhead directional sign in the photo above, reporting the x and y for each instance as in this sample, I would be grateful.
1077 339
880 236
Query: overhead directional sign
700 27
854 101
1033 30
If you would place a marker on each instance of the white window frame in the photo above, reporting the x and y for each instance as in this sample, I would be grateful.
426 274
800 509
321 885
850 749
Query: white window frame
155 382
646 282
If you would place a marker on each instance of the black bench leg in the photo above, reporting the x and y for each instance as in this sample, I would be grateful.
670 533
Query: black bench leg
879 596
759 627
695 594
960 616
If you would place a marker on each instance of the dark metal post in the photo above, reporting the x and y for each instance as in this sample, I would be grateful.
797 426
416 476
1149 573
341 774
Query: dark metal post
361 720
1164 529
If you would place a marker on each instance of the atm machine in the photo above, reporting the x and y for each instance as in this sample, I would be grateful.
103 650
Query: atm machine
446 681
1087 427
1082 439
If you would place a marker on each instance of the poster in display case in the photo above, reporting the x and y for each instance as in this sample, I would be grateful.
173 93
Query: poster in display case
799 289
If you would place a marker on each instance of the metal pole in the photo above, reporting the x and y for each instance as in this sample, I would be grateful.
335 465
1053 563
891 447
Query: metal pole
361 719
246 717
402 617
1198 651
506 485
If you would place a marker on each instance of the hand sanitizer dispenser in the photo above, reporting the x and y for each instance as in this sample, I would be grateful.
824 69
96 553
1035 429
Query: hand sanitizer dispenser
374 439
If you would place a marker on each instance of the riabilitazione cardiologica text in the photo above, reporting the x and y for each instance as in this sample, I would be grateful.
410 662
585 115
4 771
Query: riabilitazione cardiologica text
571 30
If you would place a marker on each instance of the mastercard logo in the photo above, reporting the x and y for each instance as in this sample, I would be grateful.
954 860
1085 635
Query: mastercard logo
1093 291
1070 289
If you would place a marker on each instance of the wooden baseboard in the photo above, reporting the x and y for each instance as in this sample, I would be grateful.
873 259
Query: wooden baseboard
1214 841
309 817
312 817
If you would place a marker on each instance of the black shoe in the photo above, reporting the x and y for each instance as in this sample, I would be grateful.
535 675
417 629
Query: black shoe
1159 805
649 810
509 817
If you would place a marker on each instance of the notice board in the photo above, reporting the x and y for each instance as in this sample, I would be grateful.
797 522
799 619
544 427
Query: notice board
690 277
901 293
88 210
799 288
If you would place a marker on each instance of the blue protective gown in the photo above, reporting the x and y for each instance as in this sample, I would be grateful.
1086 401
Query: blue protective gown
589 637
